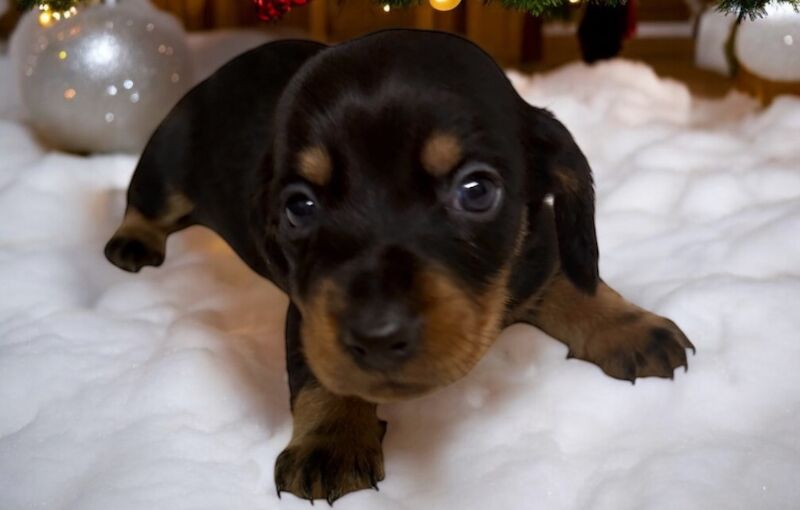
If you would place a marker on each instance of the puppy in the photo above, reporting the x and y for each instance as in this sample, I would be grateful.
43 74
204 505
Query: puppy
395 188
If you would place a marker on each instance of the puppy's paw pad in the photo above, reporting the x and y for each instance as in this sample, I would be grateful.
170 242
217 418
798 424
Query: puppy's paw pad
651 347
132 254
323 468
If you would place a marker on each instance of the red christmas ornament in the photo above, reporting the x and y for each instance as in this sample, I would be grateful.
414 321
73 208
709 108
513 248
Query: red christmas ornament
273 10
630 30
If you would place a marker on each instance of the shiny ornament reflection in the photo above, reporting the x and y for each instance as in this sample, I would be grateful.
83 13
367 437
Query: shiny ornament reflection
444 5
102 79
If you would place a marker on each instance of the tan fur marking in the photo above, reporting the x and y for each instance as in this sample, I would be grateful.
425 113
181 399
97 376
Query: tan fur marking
624 340
522 235
136 226
441 153
459 328
567 181
154 232
178 206
519 311
574 315
314 164
315 406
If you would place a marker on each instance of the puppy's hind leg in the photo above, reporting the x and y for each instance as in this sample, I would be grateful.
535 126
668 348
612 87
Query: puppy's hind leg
141 239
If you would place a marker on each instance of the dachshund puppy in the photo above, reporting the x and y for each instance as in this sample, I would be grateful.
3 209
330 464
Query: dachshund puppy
396 188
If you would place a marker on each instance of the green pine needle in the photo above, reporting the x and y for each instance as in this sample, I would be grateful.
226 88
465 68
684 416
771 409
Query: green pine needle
751 8
540 7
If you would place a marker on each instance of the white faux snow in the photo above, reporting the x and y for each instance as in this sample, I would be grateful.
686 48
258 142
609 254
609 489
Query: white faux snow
166 390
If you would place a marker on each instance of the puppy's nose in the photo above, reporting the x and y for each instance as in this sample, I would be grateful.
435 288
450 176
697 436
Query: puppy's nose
381 340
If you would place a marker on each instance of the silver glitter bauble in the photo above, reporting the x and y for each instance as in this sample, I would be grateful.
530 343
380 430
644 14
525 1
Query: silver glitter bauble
103 79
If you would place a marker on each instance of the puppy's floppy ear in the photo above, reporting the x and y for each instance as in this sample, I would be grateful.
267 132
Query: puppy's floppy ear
556 165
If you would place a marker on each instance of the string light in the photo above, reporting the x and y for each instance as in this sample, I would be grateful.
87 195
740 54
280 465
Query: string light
387 8
47 16
444 5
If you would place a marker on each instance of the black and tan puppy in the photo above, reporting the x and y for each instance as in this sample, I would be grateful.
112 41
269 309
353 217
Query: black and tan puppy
395 187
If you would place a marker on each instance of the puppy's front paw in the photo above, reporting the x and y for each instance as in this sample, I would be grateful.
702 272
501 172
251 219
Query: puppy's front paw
330 464
132 254
638 344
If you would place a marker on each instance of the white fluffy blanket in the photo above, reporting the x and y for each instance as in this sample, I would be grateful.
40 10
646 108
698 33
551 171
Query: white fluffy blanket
166 390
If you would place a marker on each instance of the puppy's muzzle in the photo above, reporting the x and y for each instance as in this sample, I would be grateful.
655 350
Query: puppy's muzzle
382 336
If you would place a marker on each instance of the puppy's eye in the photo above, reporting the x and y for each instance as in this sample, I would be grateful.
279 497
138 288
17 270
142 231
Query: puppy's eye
301 209
477 192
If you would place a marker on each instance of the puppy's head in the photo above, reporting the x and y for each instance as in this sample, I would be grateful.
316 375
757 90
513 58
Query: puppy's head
406 172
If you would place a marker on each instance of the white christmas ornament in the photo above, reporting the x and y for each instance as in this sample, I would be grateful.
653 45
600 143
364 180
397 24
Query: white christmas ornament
769 47
103 79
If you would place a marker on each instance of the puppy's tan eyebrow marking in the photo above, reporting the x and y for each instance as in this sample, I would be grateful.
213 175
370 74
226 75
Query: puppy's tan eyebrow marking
314 164
440 153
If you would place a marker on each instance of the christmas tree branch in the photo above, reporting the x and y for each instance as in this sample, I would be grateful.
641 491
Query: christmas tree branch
751 8
540 7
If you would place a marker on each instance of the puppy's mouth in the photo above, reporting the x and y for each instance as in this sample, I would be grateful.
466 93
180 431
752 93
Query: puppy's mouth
390 390
379 387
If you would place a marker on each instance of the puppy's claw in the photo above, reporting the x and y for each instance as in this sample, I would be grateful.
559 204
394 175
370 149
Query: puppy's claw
630 370
651 347
687 344
334 493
